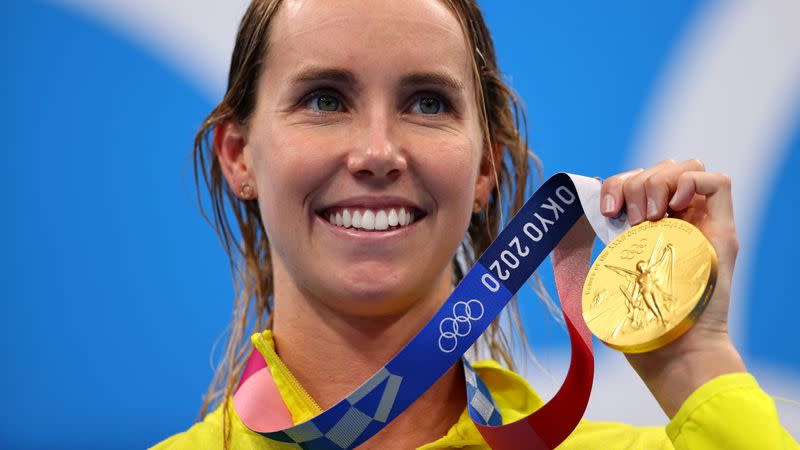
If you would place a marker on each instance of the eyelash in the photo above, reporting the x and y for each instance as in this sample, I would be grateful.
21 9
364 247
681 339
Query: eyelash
445 105
306 100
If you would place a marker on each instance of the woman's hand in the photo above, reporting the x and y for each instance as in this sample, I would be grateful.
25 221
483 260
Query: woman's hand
685 191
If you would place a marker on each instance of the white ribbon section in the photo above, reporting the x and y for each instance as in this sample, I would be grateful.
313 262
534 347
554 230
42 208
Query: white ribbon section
589 194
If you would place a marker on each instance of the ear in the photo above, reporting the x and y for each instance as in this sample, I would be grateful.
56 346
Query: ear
488 175
229 145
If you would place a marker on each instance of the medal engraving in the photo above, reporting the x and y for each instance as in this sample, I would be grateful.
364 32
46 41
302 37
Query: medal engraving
649 285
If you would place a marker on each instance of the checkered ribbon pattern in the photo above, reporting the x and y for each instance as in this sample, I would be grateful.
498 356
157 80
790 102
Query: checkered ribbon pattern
370 406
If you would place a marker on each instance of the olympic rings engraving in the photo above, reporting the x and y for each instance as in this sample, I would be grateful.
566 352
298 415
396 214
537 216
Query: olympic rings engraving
460 325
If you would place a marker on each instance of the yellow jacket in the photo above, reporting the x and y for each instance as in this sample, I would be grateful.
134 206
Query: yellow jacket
728 412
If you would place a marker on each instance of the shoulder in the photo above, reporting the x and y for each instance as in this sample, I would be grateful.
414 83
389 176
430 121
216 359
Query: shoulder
208 435
201 435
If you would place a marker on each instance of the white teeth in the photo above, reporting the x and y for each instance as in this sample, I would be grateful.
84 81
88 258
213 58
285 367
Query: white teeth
381 221
369 219
346 222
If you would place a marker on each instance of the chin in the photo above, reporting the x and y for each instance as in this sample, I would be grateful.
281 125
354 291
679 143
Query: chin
380 295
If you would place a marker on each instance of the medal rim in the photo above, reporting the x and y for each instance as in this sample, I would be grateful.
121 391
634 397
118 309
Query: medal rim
686 322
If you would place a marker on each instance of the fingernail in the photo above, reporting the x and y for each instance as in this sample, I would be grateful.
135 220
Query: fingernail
652 211
608 204
672 202
634 214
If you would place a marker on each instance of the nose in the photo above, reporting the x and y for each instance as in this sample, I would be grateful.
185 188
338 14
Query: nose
377 156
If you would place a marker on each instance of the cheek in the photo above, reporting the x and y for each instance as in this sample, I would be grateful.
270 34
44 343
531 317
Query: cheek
289 166
452 177
449 170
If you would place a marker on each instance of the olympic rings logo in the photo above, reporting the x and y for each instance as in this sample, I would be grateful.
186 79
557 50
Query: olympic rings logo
460 325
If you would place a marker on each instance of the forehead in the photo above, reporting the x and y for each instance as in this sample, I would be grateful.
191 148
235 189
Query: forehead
393 35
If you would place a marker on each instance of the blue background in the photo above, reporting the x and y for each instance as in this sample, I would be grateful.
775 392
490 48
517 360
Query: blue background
114 287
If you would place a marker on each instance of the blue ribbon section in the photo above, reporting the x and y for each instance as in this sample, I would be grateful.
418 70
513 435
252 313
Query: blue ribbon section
485 290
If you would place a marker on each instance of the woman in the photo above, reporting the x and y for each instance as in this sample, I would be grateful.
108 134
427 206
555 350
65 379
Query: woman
356 146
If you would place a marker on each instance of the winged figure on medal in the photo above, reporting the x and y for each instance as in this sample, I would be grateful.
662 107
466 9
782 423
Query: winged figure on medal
648 291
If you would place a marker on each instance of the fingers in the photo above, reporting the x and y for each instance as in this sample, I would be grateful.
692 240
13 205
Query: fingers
660 185
612 199
716 187
648 194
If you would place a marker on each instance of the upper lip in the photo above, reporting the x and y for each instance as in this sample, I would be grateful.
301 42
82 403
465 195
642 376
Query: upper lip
372 202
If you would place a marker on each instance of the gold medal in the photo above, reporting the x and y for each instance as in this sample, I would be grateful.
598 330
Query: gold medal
649 285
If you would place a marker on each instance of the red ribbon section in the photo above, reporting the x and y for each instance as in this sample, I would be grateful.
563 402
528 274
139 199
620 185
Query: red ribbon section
551 424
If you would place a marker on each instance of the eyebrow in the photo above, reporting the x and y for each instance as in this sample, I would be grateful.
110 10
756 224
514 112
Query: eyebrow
432 79
345 76
325 74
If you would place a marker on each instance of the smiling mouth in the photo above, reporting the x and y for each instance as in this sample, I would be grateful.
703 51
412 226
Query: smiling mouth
372 219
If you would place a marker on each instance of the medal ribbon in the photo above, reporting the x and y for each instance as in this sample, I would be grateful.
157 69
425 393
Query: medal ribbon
551 220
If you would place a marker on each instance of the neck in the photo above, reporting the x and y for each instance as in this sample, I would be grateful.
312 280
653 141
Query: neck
331 354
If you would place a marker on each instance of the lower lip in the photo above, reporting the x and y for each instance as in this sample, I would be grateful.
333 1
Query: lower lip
368 236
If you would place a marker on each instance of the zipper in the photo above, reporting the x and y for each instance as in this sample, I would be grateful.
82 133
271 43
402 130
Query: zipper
296 386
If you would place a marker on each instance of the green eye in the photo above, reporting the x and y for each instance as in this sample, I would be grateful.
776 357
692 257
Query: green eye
429 105
327 103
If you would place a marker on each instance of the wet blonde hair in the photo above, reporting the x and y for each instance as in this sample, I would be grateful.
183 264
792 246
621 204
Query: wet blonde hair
502 119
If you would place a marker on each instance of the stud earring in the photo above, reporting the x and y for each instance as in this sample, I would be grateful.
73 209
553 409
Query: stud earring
246 191
476 207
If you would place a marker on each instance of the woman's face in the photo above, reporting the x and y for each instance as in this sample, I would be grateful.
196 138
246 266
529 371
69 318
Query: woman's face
366 120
